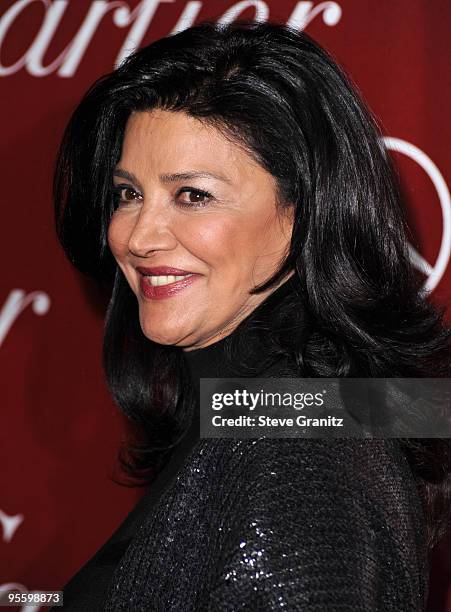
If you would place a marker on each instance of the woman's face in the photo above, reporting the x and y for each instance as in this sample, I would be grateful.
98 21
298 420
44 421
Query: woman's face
192 200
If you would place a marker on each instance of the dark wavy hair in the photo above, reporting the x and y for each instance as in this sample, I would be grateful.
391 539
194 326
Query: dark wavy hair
278 94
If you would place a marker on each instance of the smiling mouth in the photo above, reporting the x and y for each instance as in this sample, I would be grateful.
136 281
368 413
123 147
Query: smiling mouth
162 286
160 280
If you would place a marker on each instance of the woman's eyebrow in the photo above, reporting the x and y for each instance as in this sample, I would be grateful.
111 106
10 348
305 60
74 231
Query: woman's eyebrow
190 174
127 175
172 178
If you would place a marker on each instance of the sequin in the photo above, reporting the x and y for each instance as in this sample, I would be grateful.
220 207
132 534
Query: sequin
323 539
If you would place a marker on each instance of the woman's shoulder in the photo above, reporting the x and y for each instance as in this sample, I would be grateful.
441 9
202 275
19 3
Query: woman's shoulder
357 479
377 468
341 517
340 457
366 482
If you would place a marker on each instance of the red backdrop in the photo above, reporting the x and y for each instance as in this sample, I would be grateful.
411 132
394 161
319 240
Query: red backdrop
60 429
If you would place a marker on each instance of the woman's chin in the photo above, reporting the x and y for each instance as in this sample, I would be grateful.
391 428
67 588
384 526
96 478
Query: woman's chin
164 336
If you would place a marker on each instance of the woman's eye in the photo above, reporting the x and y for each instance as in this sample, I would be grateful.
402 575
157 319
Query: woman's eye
193 198
125 194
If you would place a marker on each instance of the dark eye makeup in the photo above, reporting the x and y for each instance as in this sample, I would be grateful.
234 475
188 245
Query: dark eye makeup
196 193
124 194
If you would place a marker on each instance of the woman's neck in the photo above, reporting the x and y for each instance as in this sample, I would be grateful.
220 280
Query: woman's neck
220 335
251 346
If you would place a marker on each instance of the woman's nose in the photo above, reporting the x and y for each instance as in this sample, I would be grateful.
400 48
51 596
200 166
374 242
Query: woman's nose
151 233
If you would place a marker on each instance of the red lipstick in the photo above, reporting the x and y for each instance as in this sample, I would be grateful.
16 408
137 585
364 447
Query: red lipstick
163 270
164 291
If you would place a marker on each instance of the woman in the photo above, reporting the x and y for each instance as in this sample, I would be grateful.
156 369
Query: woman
231 184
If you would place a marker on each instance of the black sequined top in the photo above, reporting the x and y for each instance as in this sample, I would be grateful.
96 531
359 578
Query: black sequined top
305 525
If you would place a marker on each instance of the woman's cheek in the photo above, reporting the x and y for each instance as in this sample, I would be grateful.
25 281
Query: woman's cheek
118 234
211 238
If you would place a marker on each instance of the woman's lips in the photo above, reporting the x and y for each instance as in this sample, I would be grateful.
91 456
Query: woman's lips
159 292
